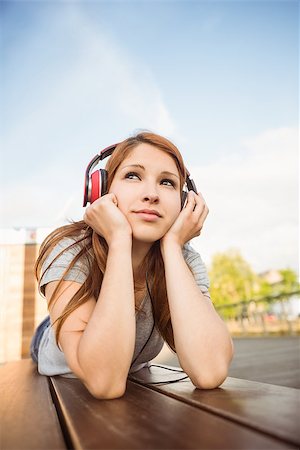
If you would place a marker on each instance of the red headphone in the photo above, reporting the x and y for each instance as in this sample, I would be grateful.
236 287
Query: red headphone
95 183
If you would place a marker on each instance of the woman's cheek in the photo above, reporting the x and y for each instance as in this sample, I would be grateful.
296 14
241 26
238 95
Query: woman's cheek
177 208
173 216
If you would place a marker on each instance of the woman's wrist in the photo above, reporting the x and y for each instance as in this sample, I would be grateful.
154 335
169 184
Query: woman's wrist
169 245
120 242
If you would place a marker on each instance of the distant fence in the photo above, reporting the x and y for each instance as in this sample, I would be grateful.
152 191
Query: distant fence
267 315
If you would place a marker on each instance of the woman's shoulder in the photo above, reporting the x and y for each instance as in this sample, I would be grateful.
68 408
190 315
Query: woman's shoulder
70 245
189 252
194 260
61 256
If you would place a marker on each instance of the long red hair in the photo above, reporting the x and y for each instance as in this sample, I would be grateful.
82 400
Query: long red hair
94 248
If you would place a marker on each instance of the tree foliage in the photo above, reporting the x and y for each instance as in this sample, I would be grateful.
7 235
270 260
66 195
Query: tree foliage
289 282
232 281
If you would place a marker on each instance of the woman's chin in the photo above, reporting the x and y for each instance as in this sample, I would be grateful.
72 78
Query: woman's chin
146 238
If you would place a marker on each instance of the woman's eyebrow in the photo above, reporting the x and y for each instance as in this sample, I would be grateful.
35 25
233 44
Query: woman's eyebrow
165 172
134 165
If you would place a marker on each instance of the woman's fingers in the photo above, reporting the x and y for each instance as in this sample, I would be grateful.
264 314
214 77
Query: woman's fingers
191 202
104 216
196 204
198 208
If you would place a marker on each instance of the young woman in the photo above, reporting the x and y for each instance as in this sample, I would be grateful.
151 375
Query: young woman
125 279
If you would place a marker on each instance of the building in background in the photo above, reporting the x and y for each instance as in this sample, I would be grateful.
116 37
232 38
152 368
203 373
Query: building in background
21 306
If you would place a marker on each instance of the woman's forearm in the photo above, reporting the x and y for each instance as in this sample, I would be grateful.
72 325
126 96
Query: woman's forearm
107 344
202 342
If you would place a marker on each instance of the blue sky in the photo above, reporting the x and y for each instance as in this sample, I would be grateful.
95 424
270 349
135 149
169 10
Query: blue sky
219 78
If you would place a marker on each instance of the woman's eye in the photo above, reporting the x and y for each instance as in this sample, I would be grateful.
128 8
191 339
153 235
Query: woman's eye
132 175
168 182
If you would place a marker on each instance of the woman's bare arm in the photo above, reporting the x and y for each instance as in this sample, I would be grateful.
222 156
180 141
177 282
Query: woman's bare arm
202 341
98 338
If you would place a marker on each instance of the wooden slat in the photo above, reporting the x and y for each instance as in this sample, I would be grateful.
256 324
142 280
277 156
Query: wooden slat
264 407
145 419
28 415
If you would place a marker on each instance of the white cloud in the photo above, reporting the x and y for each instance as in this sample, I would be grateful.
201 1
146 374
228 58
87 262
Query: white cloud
253 201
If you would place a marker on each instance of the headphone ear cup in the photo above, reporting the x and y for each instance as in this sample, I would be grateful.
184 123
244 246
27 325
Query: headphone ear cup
104 176
183 198
98 184
95 186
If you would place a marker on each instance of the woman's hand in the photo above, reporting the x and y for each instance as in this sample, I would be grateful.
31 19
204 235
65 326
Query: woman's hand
104 216
190 221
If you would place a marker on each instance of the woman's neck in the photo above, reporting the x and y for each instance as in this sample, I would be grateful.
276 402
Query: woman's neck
139 252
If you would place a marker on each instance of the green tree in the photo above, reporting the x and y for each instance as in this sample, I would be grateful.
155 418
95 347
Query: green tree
232 281
289 282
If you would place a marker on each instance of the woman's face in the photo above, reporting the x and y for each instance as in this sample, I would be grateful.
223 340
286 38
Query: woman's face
147 187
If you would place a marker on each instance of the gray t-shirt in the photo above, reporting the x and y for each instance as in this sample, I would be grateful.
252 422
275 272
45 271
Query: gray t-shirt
51 360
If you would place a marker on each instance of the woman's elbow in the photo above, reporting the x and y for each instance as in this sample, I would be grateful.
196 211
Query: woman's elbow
212 379
101 392
209 383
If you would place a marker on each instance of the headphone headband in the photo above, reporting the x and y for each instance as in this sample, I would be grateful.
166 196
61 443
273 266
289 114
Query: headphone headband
103 154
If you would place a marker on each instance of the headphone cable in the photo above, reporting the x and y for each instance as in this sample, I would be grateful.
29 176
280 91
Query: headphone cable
157 365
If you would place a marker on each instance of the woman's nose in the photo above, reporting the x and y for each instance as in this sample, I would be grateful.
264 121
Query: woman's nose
152 198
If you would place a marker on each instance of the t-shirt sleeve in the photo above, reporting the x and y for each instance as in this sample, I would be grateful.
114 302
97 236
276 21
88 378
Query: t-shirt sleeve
79 271
193 259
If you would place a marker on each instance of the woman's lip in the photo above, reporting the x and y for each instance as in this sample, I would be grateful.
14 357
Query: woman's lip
149 217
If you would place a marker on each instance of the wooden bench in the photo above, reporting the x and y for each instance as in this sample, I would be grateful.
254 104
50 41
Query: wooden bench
58 413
